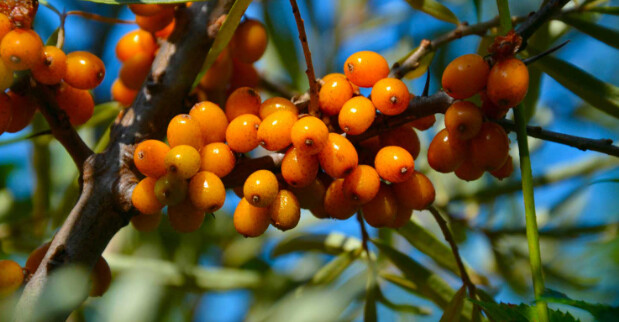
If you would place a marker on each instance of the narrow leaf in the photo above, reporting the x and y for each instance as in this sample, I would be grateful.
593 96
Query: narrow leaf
403 308
600 312
478 9
333 244
454 309
283 39
369 310
335 267
422 68
401 282
435 9
605 10
601 33
505 312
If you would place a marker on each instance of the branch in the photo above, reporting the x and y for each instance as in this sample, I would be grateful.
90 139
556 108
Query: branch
311 77
536 20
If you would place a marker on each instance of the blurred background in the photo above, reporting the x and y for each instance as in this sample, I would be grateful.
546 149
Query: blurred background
215 274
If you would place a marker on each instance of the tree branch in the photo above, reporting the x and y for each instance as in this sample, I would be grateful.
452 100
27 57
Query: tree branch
537 19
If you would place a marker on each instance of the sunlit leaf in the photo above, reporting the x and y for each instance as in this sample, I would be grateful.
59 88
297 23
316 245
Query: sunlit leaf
334 244
454 309
401 282
422 68
600 312
601 33
435 9
335 267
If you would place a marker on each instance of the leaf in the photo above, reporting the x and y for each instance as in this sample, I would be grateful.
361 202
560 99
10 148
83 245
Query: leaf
369 309
335 267
601 33
478 7
401 282
334 244
454 309
53 38
605 181
605 10
123 2
519 313
283 38
600 312
422 68
435 9
403 308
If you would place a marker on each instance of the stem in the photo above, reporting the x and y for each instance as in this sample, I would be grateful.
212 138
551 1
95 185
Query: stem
505 20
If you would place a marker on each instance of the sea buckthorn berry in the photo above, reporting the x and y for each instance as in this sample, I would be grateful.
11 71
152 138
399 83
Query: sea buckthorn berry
328 77
505 170
167 31
143 197
382 209
101 278
6 76
365 68
508 82
137 41
312 195
36 257
171 189
11 277
339 157
299 169
465 76
217 158
423 123
185 130
243 75
84 70
184 217
275 104
416 193
309 135
260 188
249 41
362 184
463 120
446 154
274 131
356 115
250 221
21 49
333 94
242 133
212 120
244 100
390 96
336 205
157 21
394 164
135 70
52 67
219 74
149 158
468 171
489 109
402 217
368 149
122 94
146 223
22 110
6 113
405 137
146 9
285 212
77 103
206 191
5 25
490 148
182 160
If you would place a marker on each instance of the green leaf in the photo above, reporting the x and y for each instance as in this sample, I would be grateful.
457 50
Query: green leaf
401 282
403 308
453 311
369 309
601 33
605 10
422 68
24 137
335 267
478 7
334 244
505 312
283 39
435 9
600 312
123 2
606 181
53 38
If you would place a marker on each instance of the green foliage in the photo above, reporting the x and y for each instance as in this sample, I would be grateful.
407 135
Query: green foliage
335 267
582 22
600 312
334 244
283 39
454 309
520 313
435 9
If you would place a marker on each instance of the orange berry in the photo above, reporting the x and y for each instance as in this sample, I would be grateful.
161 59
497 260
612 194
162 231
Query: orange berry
382 209
242 133
149 158
137 41
36 257
446 154
218 76
368 149
309 135
77 103
143 197
122 94
468 171
84 70
362 184
157 21
356 115
243 75
336 204
423 123
390 96
182 160
365 68
505 170
11 277
402 217
465 76
416 193
146 9
184 217
212 121
135 70
299 169
249 41
490 148
171 189
6 76
508 83
244 100
339 157
405 137
394 164
463 120
52 68
260 188
489 109
22 111
146 223
275 104
312 195
333 94
217 158
206 191
6 112
185 130
250 221
21 49
274 131
101 277
167 31
285 212
5 25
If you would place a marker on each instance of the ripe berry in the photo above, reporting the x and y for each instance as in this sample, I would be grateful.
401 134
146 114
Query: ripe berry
206 191
365 68
423 123
382 209
394 164
285 212
505 170
122 94
390 96
11 277
339 157
328 77
21 49
6 76
415 193
22 110
463 120
36 257
465 76
333 94
149 158
243 75
84 70
167 31
146 223
468 171
6 113
52 67
249 41
274 131
78 104
405 137
101 278
212 120
135 70
184 217
244 100
490 148
184 130
446 154
275 104
157 21
260 188
171 189
312 195
137 41
143 197
489 109
299 169
356 115
242 133
250 221
218 76
508 82
309 135
147 9
402 217
336 204
182 160
217 158
5 25
362 184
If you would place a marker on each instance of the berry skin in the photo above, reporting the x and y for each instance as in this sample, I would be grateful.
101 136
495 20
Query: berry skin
242 133
36 257
490 148
157 21
135 70
415 193
244 100
382 209
312 195
362 184
22 111
356 115
299 169
243 75
336 204
328 77
446 154
465 76
101 278
146 223
423 123
250 221
489 109
275 104
212 120
463 120
122 94
365 68
184 217
182 160
217 158
5 25
402 217
149 158
6 76
184 130
137 41
21 49
11 277
339 157
468 171
84 70
167 31
405 137
146 9
274 131
505 170
78 104
218 76
6 113
207 192
394 164
508 83
143 197
285 212
52 67
260 188
390 96
309 135
333 94
171 189
249 41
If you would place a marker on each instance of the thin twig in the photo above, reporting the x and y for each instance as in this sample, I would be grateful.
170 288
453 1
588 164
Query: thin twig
531 60
365 237
96 17
536 20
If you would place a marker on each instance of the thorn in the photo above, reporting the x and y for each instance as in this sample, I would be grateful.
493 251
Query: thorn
426 87
531 60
